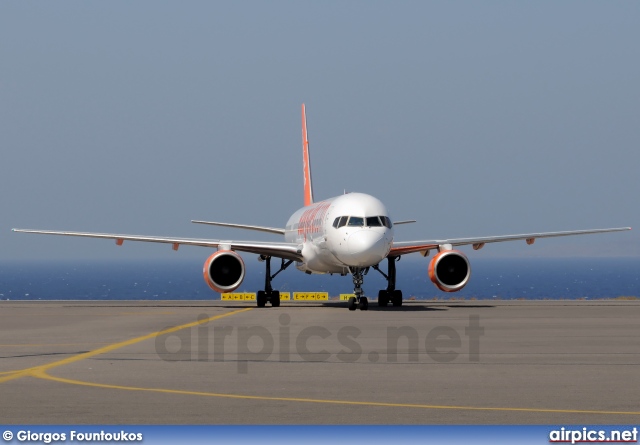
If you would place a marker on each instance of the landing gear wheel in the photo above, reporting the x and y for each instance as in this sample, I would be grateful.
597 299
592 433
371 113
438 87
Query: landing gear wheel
383 298
268 294
275 298
359 300
396 298
390 294
261 298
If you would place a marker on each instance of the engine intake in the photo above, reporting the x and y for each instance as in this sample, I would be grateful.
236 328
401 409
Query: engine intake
450 270
224 271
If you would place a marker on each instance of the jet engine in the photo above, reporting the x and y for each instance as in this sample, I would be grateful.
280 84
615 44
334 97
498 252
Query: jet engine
224 271
449 270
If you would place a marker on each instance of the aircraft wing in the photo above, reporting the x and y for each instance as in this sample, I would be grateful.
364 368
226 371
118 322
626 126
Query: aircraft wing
405 247
289 251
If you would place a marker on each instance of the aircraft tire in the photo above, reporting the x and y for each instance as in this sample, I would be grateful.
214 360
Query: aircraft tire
383 298
352 304
275 298
364 304
396 298
261 298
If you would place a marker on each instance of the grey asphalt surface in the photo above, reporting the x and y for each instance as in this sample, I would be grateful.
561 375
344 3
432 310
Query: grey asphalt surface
428 362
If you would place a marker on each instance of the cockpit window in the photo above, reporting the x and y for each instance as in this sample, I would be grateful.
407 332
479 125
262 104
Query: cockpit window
373 221
356 221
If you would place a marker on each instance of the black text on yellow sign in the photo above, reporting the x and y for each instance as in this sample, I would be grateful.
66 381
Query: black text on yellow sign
345 297
311 296
238 296
285 296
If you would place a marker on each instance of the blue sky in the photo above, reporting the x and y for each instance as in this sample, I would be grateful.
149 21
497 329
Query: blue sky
475 118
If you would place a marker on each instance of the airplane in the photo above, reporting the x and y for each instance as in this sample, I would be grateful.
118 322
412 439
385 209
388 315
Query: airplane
347 234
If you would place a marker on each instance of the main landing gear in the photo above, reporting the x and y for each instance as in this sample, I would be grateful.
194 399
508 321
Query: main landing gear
359 301
390 294
268 294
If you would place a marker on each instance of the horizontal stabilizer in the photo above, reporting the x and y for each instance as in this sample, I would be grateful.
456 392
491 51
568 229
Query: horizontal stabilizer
408 221
242 226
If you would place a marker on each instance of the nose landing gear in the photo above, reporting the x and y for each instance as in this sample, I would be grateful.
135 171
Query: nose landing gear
359 301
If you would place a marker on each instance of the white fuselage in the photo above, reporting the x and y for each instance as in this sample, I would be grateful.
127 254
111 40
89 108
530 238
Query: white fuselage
352 230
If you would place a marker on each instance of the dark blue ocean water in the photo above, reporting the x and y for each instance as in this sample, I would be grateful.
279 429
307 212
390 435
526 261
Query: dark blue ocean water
591 278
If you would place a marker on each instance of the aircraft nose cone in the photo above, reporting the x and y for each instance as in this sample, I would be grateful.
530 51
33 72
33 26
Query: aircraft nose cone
366 247
361 241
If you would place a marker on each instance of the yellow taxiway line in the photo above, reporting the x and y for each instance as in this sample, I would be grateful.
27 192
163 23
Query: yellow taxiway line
76 358
43 375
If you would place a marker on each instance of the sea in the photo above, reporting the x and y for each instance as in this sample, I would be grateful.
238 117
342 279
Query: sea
505 279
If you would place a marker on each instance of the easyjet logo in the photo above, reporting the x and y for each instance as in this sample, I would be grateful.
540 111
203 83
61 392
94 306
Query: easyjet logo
311 219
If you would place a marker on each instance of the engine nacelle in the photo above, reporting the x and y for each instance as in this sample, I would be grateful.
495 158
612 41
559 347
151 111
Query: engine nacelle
450 270
224 271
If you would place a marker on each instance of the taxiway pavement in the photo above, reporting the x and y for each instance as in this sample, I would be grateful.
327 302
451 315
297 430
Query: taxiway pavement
428 362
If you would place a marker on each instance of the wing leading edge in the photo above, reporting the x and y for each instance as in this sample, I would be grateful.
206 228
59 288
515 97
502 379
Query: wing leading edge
288 251
405 247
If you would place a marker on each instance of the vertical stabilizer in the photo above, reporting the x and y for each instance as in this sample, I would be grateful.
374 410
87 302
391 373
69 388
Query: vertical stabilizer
306 163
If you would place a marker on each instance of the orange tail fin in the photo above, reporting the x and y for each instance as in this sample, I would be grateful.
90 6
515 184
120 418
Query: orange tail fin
306 163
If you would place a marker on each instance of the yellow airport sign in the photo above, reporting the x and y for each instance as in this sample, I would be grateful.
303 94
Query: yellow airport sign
284 296
238 296
311 296
345 297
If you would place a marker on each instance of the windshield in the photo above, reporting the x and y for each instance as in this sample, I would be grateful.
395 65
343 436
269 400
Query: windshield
358 221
